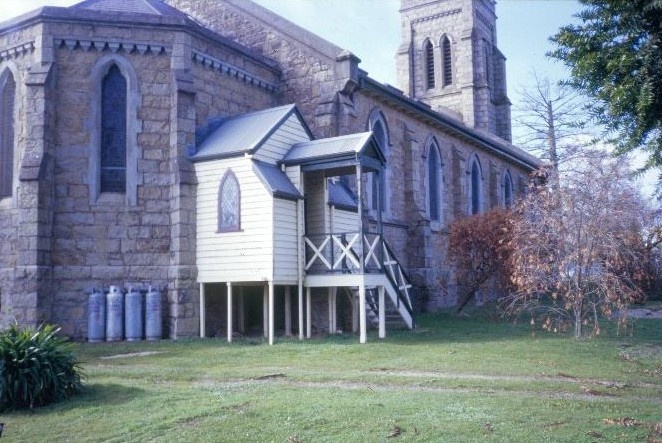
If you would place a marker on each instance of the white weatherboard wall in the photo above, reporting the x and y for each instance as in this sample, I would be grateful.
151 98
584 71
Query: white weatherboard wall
246 255
285 241
316 204
343 220
280 142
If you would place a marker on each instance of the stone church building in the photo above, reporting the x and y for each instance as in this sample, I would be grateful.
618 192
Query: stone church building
249 169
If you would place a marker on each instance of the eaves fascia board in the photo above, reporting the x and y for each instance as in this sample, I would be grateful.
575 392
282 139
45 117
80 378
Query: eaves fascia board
53 14
211 157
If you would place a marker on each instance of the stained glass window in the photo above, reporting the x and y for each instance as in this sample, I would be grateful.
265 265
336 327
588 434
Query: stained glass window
434 183
475 187
378 184
7 136
113 131
229 204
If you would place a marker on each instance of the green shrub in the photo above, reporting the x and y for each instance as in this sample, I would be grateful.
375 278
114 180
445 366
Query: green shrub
36 368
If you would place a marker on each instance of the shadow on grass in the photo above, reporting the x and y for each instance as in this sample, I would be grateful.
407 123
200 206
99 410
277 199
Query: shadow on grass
95 394
485 327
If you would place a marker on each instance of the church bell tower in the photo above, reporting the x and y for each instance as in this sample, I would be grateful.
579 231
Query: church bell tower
449 60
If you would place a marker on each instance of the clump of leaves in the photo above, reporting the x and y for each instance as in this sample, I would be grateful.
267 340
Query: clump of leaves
37 367
480 247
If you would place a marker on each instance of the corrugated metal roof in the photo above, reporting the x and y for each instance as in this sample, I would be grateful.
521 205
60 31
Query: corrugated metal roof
341 196
328 147
243 133
153 7
276 181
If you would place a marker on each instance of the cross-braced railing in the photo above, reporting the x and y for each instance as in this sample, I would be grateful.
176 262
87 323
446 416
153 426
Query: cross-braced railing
354 253
348 252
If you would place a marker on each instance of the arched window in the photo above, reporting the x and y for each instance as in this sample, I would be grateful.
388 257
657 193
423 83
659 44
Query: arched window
507 190
447 61
429 64
7 99
434 182
488 63
476 179
229 204
113 132
379 187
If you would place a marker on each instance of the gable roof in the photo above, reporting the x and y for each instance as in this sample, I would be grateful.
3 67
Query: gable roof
351 148
244 134
276 181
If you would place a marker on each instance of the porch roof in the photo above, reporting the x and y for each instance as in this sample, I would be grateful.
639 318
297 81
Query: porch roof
276 181
353 149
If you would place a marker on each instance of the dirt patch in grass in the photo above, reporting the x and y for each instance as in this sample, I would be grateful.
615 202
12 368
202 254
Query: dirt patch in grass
131 355
389 387
559 378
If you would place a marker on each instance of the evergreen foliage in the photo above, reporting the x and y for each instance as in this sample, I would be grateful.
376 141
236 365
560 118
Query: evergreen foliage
615 57
36 368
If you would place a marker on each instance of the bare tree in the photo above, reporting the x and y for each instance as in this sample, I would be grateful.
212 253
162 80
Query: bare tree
552 123
578 249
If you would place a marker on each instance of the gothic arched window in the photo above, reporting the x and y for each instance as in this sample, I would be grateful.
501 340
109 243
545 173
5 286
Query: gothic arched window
435 206
447 61
379 187
113 131
429 64
507 190
475 204
7 99
229 204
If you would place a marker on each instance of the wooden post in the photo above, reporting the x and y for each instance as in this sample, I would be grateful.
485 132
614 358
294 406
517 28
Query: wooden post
265 311
272 291
330 300
288 311
335 310
300 309
382 312
242 320
355 314
359 191
363 330
309 314
202 311
229 312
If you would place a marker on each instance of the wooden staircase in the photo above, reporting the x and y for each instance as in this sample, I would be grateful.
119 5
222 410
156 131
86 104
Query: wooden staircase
364 253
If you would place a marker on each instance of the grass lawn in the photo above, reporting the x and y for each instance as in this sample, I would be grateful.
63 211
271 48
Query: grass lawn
454 379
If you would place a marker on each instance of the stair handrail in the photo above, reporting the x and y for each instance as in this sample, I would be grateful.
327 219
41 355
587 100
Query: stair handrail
406 298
